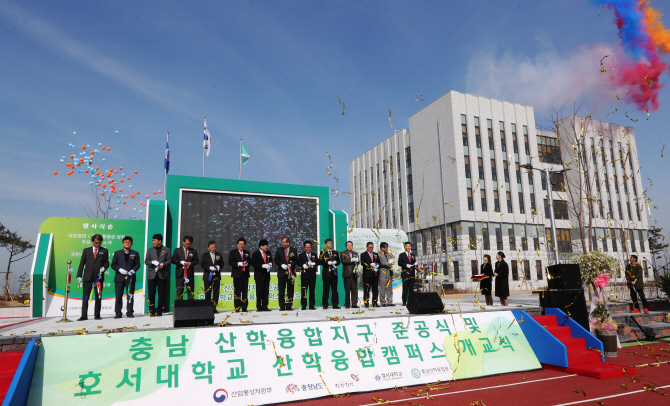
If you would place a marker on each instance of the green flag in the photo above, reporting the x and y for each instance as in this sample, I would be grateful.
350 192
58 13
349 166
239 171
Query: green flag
244 156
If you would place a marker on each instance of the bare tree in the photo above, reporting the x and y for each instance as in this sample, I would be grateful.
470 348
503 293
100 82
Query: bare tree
16 246
100 204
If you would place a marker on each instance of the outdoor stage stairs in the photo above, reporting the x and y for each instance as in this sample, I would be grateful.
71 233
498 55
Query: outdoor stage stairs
581 360
9 362
656 324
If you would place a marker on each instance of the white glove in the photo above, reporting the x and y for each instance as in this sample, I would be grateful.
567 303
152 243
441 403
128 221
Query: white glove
265 266
409 266
217 267
355 259
79 280
182 262
154 263
123 271
330 262
311 263
212 268
240 264
284 266
375 265
305 266
132 272
390 262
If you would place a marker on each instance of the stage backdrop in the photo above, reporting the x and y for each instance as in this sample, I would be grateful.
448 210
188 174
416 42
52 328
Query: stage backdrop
63 238
275 363
225 209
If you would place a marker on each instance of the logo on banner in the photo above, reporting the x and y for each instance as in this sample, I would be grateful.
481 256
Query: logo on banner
290 388
355 377
220 395
378 378
416 373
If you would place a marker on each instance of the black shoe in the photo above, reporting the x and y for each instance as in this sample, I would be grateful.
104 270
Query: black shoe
383 305
267 309
312 308
282 309
391 305
375 305
118 316
82 318
215 312
347 307
237 310
336 307
99 318
160 314
130 316
304 308
325 307
404 304
367 306
289 309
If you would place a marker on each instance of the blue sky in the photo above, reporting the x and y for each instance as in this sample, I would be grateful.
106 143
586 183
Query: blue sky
271 73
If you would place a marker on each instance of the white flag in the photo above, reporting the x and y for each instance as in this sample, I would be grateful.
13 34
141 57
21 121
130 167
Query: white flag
206 143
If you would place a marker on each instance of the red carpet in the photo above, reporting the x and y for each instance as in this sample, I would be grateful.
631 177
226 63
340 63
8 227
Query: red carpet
581 360
9 361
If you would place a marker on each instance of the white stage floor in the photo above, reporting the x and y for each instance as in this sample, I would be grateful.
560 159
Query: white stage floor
142 322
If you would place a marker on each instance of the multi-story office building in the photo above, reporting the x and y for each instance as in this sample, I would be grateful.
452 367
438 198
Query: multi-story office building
455 182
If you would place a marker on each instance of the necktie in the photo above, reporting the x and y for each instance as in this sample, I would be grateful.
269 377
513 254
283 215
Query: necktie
264 260
409 257
95 252
212 257
185 254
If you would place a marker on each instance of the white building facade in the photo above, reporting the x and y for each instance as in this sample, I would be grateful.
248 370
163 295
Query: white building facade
455 184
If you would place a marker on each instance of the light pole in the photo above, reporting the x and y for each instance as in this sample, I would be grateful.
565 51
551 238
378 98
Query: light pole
552 220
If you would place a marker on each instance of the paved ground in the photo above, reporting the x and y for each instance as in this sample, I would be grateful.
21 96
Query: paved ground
49 326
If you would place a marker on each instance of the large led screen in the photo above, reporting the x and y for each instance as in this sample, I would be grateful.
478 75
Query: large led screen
224 217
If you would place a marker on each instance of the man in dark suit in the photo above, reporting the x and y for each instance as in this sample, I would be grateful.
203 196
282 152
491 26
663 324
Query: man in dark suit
212 264
406 262
307 263
92 266
158 261
239 260
286 261
350 275
185 259
125 262
370 261
261 260
329 259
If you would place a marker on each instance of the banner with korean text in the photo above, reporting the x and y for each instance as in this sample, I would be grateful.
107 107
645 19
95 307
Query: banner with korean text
276 363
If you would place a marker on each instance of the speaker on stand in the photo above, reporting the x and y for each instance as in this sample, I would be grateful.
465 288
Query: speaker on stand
425 303
566 292
193 313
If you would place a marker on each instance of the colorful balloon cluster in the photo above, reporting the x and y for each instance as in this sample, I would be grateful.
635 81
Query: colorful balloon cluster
643 37
108 180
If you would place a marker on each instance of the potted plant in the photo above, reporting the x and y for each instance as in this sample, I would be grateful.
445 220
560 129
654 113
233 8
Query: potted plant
605 329
663 283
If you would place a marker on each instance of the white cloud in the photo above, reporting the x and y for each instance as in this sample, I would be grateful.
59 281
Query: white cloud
545 81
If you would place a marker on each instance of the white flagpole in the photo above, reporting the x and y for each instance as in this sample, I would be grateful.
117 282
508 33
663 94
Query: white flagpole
203 155
167 140
240 178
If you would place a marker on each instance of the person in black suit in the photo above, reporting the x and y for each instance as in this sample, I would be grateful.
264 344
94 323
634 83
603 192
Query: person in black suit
329 259
286 260
407 263
158 261
125 262
92 266
185 259
485 285
502 278
261 260
307 263
370 261
239 260
212 264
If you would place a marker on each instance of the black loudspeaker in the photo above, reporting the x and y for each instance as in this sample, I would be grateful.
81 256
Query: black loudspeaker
571 301
564 276
425 303
193 313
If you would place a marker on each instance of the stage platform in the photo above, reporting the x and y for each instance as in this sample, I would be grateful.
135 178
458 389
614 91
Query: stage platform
49 326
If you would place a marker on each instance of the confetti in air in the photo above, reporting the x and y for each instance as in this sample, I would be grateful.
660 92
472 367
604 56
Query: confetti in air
339 101
390 118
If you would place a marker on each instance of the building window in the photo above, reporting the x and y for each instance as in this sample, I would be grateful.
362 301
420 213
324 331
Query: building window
512 238
603 239
496 202
472 235
641 240
471 203
518 173
525 140
454 236
489 127
631 236
563 237
480 164
478 136
499 237
646 267
557 182
467 166
560 209
548 150
526 270
515 270
483 196
506 171
503 143
509 202
464 130
524 238
538 269
522 208
532 202
515 143
457 273
494 174
474 267
485 236
614 244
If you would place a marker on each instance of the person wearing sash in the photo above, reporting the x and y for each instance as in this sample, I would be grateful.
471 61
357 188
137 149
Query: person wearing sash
329 260
407 263
185 259
350 275
92 267
385 276
370 261
239 259
286 261
158 261
212 264
307 263
261 260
